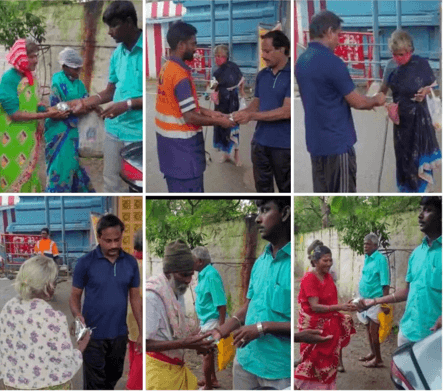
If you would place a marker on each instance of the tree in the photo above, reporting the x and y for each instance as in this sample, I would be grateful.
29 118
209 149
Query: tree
18 20
171 219
353 216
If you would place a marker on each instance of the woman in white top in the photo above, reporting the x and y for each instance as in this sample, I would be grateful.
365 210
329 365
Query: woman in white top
35 346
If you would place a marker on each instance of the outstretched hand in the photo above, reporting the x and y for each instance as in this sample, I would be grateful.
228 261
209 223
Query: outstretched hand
245 334
241 117
115 110
311 336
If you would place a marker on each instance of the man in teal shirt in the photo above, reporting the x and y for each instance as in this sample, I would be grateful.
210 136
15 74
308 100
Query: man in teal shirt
374 283
210 305
422 294
124 117
263 324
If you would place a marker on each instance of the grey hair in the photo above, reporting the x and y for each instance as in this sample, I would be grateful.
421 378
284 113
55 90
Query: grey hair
200 252
400 40
371 237
222 48
31 45
35 277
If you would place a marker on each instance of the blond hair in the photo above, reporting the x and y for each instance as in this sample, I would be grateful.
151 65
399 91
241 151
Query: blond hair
35 277
400 40
222 49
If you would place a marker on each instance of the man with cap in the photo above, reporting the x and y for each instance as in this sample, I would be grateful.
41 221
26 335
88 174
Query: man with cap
168 333
108 276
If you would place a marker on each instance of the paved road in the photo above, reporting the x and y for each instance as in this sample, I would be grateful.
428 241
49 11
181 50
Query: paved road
220 178
371 128
59 302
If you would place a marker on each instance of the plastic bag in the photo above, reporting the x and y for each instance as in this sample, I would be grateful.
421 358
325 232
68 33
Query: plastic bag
226 352
91 129
434 105
386 321
392 109
242 104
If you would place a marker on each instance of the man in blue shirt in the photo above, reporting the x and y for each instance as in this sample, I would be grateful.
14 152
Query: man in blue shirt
374 282
263 324
108 275
124 118
271 108
328 93
210 305
423 293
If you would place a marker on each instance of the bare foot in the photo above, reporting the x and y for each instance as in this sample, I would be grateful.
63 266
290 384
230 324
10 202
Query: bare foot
225 158
373 364
367 357
238 163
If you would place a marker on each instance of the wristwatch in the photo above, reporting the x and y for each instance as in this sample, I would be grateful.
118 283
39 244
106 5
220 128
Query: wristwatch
260 328
129 103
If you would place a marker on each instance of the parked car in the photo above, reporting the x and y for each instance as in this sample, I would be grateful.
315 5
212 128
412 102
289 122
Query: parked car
132 166
418 365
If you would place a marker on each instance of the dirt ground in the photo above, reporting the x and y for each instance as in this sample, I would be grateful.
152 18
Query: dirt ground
356 376
195 363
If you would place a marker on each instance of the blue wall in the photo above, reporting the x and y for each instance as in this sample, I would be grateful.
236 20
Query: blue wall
247 16
31 218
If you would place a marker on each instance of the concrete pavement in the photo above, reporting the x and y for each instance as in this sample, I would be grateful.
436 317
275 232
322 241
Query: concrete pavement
371 128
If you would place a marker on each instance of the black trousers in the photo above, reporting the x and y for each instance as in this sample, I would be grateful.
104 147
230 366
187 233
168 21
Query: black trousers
335 173
269 163
103 362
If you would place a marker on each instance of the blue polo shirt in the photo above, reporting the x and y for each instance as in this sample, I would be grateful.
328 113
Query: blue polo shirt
269 293
126 72
374 276
106 287
272 90
423 306
323 82
210 294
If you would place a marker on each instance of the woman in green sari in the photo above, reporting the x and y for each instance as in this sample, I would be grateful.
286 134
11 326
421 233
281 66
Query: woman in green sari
20 140
63 170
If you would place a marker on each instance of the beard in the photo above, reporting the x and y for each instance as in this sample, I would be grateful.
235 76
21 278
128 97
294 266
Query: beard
188 56
179 288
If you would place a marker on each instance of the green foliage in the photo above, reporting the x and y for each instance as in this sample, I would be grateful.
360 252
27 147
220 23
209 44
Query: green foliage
171 219
18 20
355 216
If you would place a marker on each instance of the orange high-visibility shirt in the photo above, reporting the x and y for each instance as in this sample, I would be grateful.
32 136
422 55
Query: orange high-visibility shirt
46 247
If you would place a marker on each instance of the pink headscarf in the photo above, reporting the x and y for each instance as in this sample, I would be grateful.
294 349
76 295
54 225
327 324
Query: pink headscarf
18 58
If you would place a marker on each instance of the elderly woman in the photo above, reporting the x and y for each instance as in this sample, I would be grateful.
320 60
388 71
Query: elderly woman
19 115
416 148
63 170
319 310
35 347
229 81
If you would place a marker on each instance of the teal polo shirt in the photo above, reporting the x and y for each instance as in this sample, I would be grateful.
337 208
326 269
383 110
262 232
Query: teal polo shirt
126 72
423 306
210 294
374 276
269 293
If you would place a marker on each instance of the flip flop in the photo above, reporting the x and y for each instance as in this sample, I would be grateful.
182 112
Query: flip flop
341 369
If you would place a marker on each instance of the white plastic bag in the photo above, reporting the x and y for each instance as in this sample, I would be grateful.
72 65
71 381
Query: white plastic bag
91 129
434 105
242 104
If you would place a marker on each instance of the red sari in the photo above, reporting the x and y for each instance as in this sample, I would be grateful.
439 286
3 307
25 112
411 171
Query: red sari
319 361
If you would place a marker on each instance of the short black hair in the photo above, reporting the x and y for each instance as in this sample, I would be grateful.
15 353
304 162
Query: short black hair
432 200
179 32
279 40
281 202
107 221
120 10
321 22
44 229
